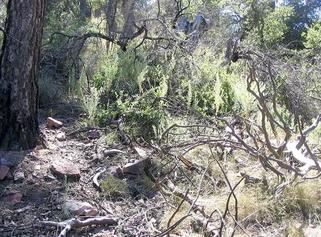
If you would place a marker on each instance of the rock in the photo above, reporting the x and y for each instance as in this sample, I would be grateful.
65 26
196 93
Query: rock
116 171
4 170
18 177
64 169
80 208
53 123
13 198
61 136
137 167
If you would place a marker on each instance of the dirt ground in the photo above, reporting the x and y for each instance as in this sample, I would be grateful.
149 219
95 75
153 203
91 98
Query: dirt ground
44 194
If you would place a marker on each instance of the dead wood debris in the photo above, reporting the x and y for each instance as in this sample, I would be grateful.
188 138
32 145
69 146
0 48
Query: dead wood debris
75 223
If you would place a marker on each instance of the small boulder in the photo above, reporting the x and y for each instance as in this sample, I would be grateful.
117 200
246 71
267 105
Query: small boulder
19 177
137 167
61 136
13 198
53 123
4 170
64 169
80 208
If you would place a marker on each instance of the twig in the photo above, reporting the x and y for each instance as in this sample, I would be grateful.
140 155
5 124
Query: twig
232 189
177 209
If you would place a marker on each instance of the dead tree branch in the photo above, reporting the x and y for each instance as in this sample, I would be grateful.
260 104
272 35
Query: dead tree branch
75 223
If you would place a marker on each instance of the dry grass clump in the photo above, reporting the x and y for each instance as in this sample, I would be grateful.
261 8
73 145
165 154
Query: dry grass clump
253 206
301 201
304 198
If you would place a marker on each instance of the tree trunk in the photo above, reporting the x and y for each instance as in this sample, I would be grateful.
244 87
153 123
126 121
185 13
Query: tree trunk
18 77
128 11
110 12
85 9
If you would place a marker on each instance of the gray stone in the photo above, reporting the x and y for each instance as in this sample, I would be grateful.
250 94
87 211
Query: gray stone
137 167
80 208
19 177
61 136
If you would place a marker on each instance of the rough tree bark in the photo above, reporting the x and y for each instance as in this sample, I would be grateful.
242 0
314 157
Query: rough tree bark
128 8
110 11
18 77
85 9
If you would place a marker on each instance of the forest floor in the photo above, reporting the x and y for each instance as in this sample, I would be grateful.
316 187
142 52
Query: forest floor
36 197
39 195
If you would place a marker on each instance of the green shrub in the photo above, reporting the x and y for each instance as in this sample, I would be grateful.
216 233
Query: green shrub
113 187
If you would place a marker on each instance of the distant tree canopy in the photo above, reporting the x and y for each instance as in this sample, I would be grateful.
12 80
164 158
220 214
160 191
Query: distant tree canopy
305 13
100 31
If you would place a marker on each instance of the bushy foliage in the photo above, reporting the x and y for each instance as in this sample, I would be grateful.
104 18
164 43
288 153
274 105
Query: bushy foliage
138 83
275 24
313 38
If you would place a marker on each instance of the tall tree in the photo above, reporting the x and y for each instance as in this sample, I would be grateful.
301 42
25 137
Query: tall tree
18 78
85 9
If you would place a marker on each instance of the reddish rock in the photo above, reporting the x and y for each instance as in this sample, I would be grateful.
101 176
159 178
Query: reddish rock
137 167
53 123
80 208
4 170
13 198
64 169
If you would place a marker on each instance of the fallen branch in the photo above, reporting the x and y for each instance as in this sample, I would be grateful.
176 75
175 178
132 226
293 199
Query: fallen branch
75 223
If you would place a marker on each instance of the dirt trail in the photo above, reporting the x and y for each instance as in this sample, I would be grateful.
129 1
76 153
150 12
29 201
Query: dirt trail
44 193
